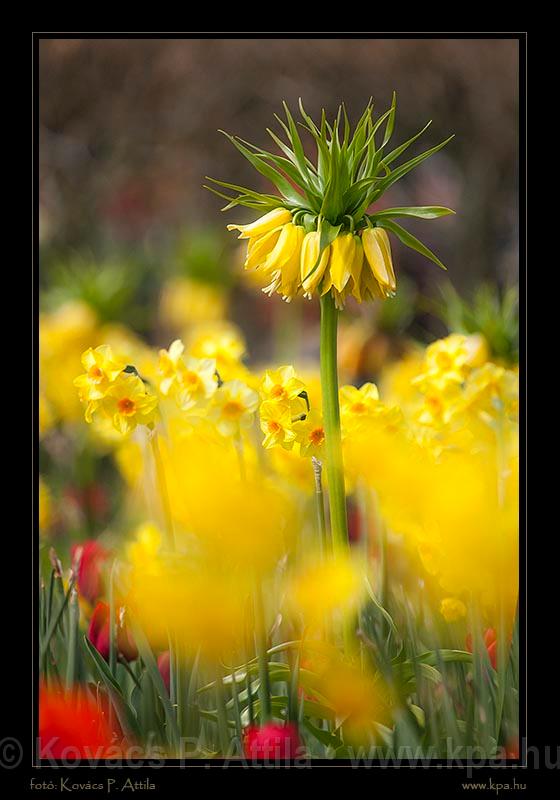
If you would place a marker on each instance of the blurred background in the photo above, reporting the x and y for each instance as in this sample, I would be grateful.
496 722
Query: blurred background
129 130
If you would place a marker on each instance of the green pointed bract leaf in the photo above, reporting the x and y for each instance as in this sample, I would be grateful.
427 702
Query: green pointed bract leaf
282 184
403 169
245 200
394 154
410 241
295 141
328 234
422 212
306 169
390 121
124 711
260 196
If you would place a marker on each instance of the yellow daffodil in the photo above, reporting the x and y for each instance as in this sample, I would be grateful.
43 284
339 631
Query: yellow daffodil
491 390
128 403
452 609
222 342
356 404
265 224
191 380
311 271
233 407
281 385
101 370
276 424
168 365
446 360
310 433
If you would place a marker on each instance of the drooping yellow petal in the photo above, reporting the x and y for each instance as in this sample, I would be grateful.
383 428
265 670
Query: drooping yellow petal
376 257
290 268
274 218
283 249
385 246
310 277
342 258
260 247
356 269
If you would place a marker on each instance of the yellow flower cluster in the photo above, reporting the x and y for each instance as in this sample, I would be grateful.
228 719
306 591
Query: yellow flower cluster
108 390
441 456
286 417
291 260
447 474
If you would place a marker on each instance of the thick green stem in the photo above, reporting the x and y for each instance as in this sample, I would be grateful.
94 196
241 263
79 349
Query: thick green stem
331 421
333 446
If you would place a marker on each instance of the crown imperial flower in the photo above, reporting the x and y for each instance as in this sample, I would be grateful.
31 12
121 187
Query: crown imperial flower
319 221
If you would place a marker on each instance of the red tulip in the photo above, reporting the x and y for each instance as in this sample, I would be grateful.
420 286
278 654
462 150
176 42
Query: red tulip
272 741
73 727
490 642
163 666
354 521
98 633
92 557
512 747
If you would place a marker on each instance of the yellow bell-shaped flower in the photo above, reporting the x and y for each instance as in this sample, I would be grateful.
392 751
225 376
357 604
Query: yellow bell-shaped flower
311 272
279 216
378 255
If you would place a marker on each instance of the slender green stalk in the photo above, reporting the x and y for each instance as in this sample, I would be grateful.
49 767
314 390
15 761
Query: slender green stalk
222 712
320 505
74 621
236 706
181 684
331 420
262 656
